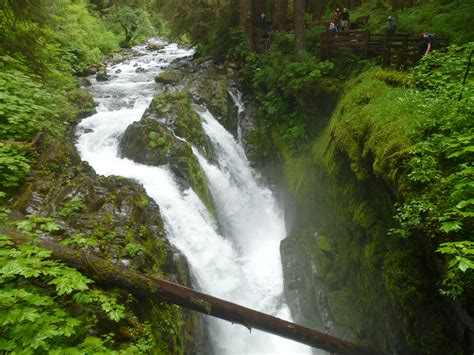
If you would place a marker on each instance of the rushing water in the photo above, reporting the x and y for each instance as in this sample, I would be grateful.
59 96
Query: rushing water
243 264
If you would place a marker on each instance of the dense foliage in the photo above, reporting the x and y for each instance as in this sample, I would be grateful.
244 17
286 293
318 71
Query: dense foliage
40 50
47 307
286 84
440 193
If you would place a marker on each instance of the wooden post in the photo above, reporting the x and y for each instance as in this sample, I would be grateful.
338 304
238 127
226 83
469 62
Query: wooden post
366 43
387 47
146 286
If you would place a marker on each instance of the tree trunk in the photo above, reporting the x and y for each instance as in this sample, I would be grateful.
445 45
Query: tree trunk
145 286
258 9
317 10
245 21
299 24
281 15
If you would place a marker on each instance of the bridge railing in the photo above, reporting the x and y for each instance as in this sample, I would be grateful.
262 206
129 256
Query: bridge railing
401 49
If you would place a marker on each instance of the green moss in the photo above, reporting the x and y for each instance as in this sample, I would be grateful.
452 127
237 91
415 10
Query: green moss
186 121
199 184
166 323
169 77
342 304
203 305
324 243
345 188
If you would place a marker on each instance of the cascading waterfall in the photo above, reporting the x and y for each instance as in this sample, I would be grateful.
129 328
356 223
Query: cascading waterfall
236 97
242 266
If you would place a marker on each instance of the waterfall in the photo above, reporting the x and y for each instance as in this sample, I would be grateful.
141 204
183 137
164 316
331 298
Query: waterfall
236 97
243 263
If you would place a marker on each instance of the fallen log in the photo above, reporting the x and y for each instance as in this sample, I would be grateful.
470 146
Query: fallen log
141 285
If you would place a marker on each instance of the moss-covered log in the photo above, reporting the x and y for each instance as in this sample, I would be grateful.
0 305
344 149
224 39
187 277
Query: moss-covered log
141 285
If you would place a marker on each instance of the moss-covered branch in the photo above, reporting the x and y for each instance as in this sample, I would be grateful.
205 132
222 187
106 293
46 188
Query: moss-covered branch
141 285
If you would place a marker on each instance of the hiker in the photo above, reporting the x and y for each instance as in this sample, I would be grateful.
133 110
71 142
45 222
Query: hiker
262 19
426 44
391 25
345 19
332 28
336 16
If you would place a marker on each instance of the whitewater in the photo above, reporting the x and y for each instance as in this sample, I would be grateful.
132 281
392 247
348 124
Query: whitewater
239 261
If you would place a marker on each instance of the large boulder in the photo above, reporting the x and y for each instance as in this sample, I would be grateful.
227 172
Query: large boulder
102 74
171 77
175 110
150 142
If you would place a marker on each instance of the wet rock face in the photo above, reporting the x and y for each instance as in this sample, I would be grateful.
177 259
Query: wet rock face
111 210
110 217
305 288
299 285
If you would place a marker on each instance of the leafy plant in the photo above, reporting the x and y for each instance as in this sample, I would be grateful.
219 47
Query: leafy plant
133 249
460 257
156 141
35 318
285 84
439 199
38 224
81 240
74 205
15 162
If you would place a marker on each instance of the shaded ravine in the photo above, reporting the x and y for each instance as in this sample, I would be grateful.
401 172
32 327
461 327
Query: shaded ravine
243 264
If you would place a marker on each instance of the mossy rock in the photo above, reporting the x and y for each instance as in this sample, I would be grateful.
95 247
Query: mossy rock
175 110
82 101
150 142
171 77
342 306
212 91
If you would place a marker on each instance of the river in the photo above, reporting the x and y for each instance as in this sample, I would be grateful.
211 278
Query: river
240 261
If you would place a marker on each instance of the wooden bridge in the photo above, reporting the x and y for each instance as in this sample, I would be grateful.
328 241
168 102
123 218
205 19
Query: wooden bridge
398 49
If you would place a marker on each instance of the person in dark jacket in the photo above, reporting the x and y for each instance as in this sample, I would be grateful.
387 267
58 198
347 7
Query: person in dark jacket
332 28
426 44
345 16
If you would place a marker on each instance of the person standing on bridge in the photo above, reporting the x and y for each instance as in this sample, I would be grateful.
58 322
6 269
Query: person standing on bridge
336 17
426 44
345 19
391 25
263 20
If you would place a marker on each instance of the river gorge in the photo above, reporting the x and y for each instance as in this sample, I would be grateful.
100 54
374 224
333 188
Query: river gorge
233 255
